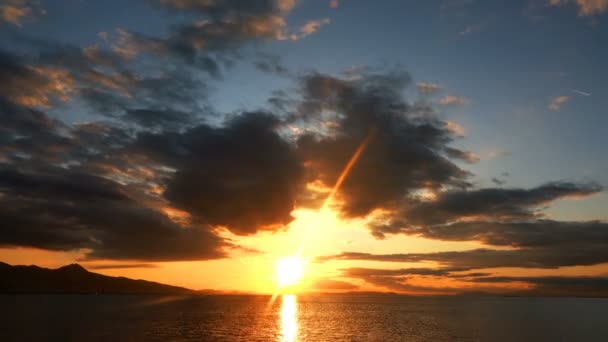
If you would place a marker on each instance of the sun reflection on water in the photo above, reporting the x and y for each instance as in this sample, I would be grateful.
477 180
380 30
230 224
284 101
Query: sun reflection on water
289 319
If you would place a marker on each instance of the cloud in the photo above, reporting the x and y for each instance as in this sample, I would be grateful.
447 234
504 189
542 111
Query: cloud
495 203
119 266
164 173
270 64
517 234
305 30
33 85
214 38
455 128
14 11
407 151
465 156
497 181
582 286
428 88
497 153
87 212
90 192
334 3
404 280
312 27
547 257
557 102
400 284
332 284
226 8
473 28
452 213
452 100
243 176
367 272
586 7
159 119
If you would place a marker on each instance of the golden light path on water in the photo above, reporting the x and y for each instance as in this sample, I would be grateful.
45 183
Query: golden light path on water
289 319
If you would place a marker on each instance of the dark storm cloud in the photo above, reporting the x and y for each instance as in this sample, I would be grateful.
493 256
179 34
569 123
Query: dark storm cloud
519 234
583 286
549 280
54 194
61 210
406 151
59 183
367 272
495 202
499 216
589 253
243 175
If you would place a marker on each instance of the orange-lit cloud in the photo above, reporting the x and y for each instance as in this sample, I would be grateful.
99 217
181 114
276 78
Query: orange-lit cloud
455 128
428 88
453 100
305 30
586 7
43 84
556 103
14 11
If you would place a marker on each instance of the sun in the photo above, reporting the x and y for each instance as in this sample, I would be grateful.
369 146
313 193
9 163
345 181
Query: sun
289 271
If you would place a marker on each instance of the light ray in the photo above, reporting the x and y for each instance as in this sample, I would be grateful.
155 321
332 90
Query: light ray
341 178
349 166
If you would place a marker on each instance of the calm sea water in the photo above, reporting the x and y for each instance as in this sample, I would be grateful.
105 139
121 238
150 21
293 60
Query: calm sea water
304 318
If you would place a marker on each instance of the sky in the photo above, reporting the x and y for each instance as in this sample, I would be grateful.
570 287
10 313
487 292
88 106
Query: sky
418 147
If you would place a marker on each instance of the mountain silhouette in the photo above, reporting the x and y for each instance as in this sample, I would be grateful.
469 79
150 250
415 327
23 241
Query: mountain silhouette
75 279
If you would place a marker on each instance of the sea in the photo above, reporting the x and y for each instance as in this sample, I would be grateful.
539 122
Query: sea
300 318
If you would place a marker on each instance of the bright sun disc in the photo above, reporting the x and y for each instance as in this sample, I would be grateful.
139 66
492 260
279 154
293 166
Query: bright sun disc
289 271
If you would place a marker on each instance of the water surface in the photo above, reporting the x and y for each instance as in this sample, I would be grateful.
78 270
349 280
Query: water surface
303 318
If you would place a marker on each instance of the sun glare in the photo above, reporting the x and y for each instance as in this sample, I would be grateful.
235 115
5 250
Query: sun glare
289 271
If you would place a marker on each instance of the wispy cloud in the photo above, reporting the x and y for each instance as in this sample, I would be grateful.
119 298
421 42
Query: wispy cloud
556 103
428 88
305 30
453 100
471 29
586 7
456 128
581 92
14 11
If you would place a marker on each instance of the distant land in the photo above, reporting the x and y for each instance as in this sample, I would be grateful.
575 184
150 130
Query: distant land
76 279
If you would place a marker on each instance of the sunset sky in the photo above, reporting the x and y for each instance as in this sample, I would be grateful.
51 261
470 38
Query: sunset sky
428 147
